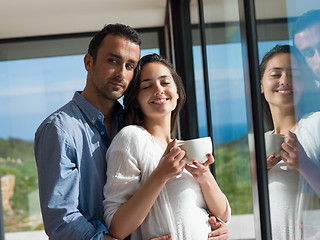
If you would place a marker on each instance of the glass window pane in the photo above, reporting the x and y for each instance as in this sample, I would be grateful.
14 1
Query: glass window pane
31 89
290 85
228 108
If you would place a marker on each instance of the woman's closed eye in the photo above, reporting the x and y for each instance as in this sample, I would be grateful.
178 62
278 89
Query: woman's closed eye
275 75
145 86
166 83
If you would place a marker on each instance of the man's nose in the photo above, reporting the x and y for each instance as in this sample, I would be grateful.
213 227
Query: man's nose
316 56
121 71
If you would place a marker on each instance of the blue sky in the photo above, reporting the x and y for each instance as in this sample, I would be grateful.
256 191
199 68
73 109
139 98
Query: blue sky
29 89
226 91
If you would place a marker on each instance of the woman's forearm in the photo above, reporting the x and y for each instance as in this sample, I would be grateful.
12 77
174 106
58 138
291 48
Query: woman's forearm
310 171
215 199
132 213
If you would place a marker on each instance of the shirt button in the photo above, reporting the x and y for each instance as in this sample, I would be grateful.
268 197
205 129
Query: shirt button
93 121
99 117
102 133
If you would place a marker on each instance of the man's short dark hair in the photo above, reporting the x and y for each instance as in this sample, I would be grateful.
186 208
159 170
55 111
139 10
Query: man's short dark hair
112 29
305 21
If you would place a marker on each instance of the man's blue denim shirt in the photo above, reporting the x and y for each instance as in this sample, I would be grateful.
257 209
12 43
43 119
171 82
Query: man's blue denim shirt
70 149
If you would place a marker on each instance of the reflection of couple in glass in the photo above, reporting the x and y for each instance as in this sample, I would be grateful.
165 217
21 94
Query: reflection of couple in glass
294 179
150 190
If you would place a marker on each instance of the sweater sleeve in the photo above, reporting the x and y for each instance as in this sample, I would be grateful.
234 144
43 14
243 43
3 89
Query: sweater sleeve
123 171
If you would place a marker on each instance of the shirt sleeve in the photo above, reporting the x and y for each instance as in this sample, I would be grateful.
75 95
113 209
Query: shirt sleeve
58 177
309 135
123 174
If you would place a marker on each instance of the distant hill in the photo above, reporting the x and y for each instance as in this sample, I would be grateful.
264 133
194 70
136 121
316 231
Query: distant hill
233 174
16 148
17 158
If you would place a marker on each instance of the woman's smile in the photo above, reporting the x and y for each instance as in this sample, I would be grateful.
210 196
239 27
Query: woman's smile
160 101
284 91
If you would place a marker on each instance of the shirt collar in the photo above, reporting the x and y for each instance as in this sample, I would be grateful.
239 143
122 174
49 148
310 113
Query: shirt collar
87 108
91 112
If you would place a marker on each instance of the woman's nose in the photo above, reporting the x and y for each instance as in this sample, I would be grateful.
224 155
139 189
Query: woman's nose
159 89
286 79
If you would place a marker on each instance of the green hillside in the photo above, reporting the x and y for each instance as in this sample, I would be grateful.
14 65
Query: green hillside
233 174
17 158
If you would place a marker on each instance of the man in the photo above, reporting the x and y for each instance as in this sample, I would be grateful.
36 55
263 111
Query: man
70 145
306 37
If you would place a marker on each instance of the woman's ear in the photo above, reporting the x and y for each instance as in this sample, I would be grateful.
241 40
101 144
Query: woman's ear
261 88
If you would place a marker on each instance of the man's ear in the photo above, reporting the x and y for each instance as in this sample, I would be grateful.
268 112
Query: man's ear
177 96
88 62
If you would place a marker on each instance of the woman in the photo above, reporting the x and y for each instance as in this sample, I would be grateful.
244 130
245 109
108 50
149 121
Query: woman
297 168
151 190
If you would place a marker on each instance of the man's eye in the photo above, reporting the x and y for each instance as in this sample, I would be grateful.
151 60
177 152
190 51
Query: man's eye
296 75
308 52
112 60
130 66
